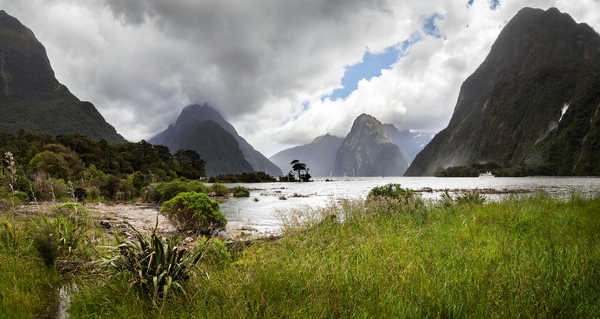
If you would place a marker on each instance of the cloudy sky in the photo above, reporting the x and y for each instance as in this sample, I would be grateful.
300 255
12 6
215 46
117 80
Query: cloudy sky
282 72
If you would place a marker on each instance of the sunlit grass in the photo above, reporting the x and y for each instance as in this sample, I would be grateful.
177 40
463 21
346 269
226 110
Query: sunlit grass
534 257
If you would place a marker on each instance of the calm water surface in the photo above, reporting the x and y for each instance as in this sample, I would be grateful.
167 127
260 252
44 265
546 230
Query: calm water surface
264 214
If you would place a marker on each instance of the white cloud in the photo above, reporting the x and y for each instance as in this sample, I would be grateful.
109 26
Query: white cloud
140 61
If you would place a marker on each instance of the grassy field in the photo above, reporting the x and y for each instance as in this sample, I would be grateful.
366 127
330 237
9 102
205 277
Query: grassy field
534 257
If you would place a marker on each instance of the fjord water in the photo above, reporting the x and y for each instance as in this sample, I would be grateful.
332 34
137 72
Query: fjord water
265 214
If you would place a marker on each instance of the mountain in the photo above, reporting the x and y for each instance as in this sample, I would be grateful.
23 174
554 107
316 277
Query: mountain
368 151
241 156
319 155
411 143
534 102
31 98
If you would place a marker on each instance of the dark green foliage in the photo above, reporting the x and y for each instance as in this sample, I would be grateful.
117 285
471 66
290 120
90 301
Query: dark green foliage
468 171
80 194
154 161
194 211
155 266
252 177
163 191
190 163
240 191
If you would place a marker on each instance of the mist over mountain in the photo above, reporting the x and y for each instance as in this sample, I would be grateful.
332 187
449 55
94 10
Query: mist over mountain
411 143
32 99
202 128
534 102
368 151
319 155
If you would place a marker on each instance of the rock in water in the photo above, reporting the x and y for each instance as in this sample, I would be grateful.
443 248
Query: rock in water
534 101
31 98
368 151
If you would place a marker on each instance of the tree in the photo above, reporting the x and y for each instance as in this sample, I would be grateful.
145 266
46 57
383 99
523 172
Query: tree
301 170
190 164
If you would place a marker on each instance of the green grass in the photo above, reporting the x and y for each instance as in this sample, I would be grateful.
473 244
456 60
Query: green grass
27 285
535 257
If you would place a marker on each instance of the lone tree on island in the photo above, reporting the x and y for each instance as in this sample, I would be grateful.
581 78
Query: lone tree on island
302 172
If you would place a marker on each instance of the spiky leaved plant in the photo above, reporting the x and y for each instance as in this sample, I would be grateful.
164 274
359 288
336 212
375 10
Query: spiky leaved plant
154 265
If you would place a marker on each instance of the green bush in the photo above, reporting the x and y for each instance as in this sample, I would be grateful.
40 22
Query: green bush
155 266
160 192
391 191
240 191
194 211
219 189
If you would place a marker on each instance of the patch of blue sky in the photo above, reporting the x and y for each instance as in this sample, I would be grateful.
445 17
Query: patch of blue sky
371 66
493 3
373 63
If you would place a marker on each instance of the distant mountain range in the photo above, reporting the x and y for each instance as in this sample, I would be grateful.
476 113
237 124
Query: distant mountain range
319 155
202 128
370 149
534 102
31 99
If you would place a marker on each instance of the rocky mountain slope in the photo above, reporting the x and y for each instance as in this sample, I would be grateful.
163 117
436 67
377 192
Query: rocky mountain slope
31 98
534 102
368 151
319 155
222 148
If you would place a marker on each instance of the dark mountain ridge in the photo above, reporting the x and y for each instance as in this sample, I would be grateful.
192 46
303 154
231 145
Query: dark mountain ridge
202 128
32 99
534 102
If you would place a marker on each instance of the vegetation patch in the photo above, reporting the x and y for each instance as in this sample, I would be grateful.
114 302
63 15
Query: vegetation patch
194 211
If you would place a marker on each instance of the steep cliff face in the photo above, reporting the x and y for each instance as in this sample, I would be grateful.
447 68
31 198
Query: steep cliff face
31 98
533 102
223 149
368 151
319 155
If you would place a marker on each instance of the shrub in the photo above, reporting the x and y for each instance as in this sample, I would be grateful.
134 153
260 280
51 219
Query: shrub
391 191
194 211
240 191
154 265
160 192
219 189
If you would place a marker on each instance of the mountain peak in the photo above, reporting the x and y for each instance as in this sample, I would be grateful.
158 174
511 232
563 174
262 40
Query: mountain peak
32 99
510 110
368 151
